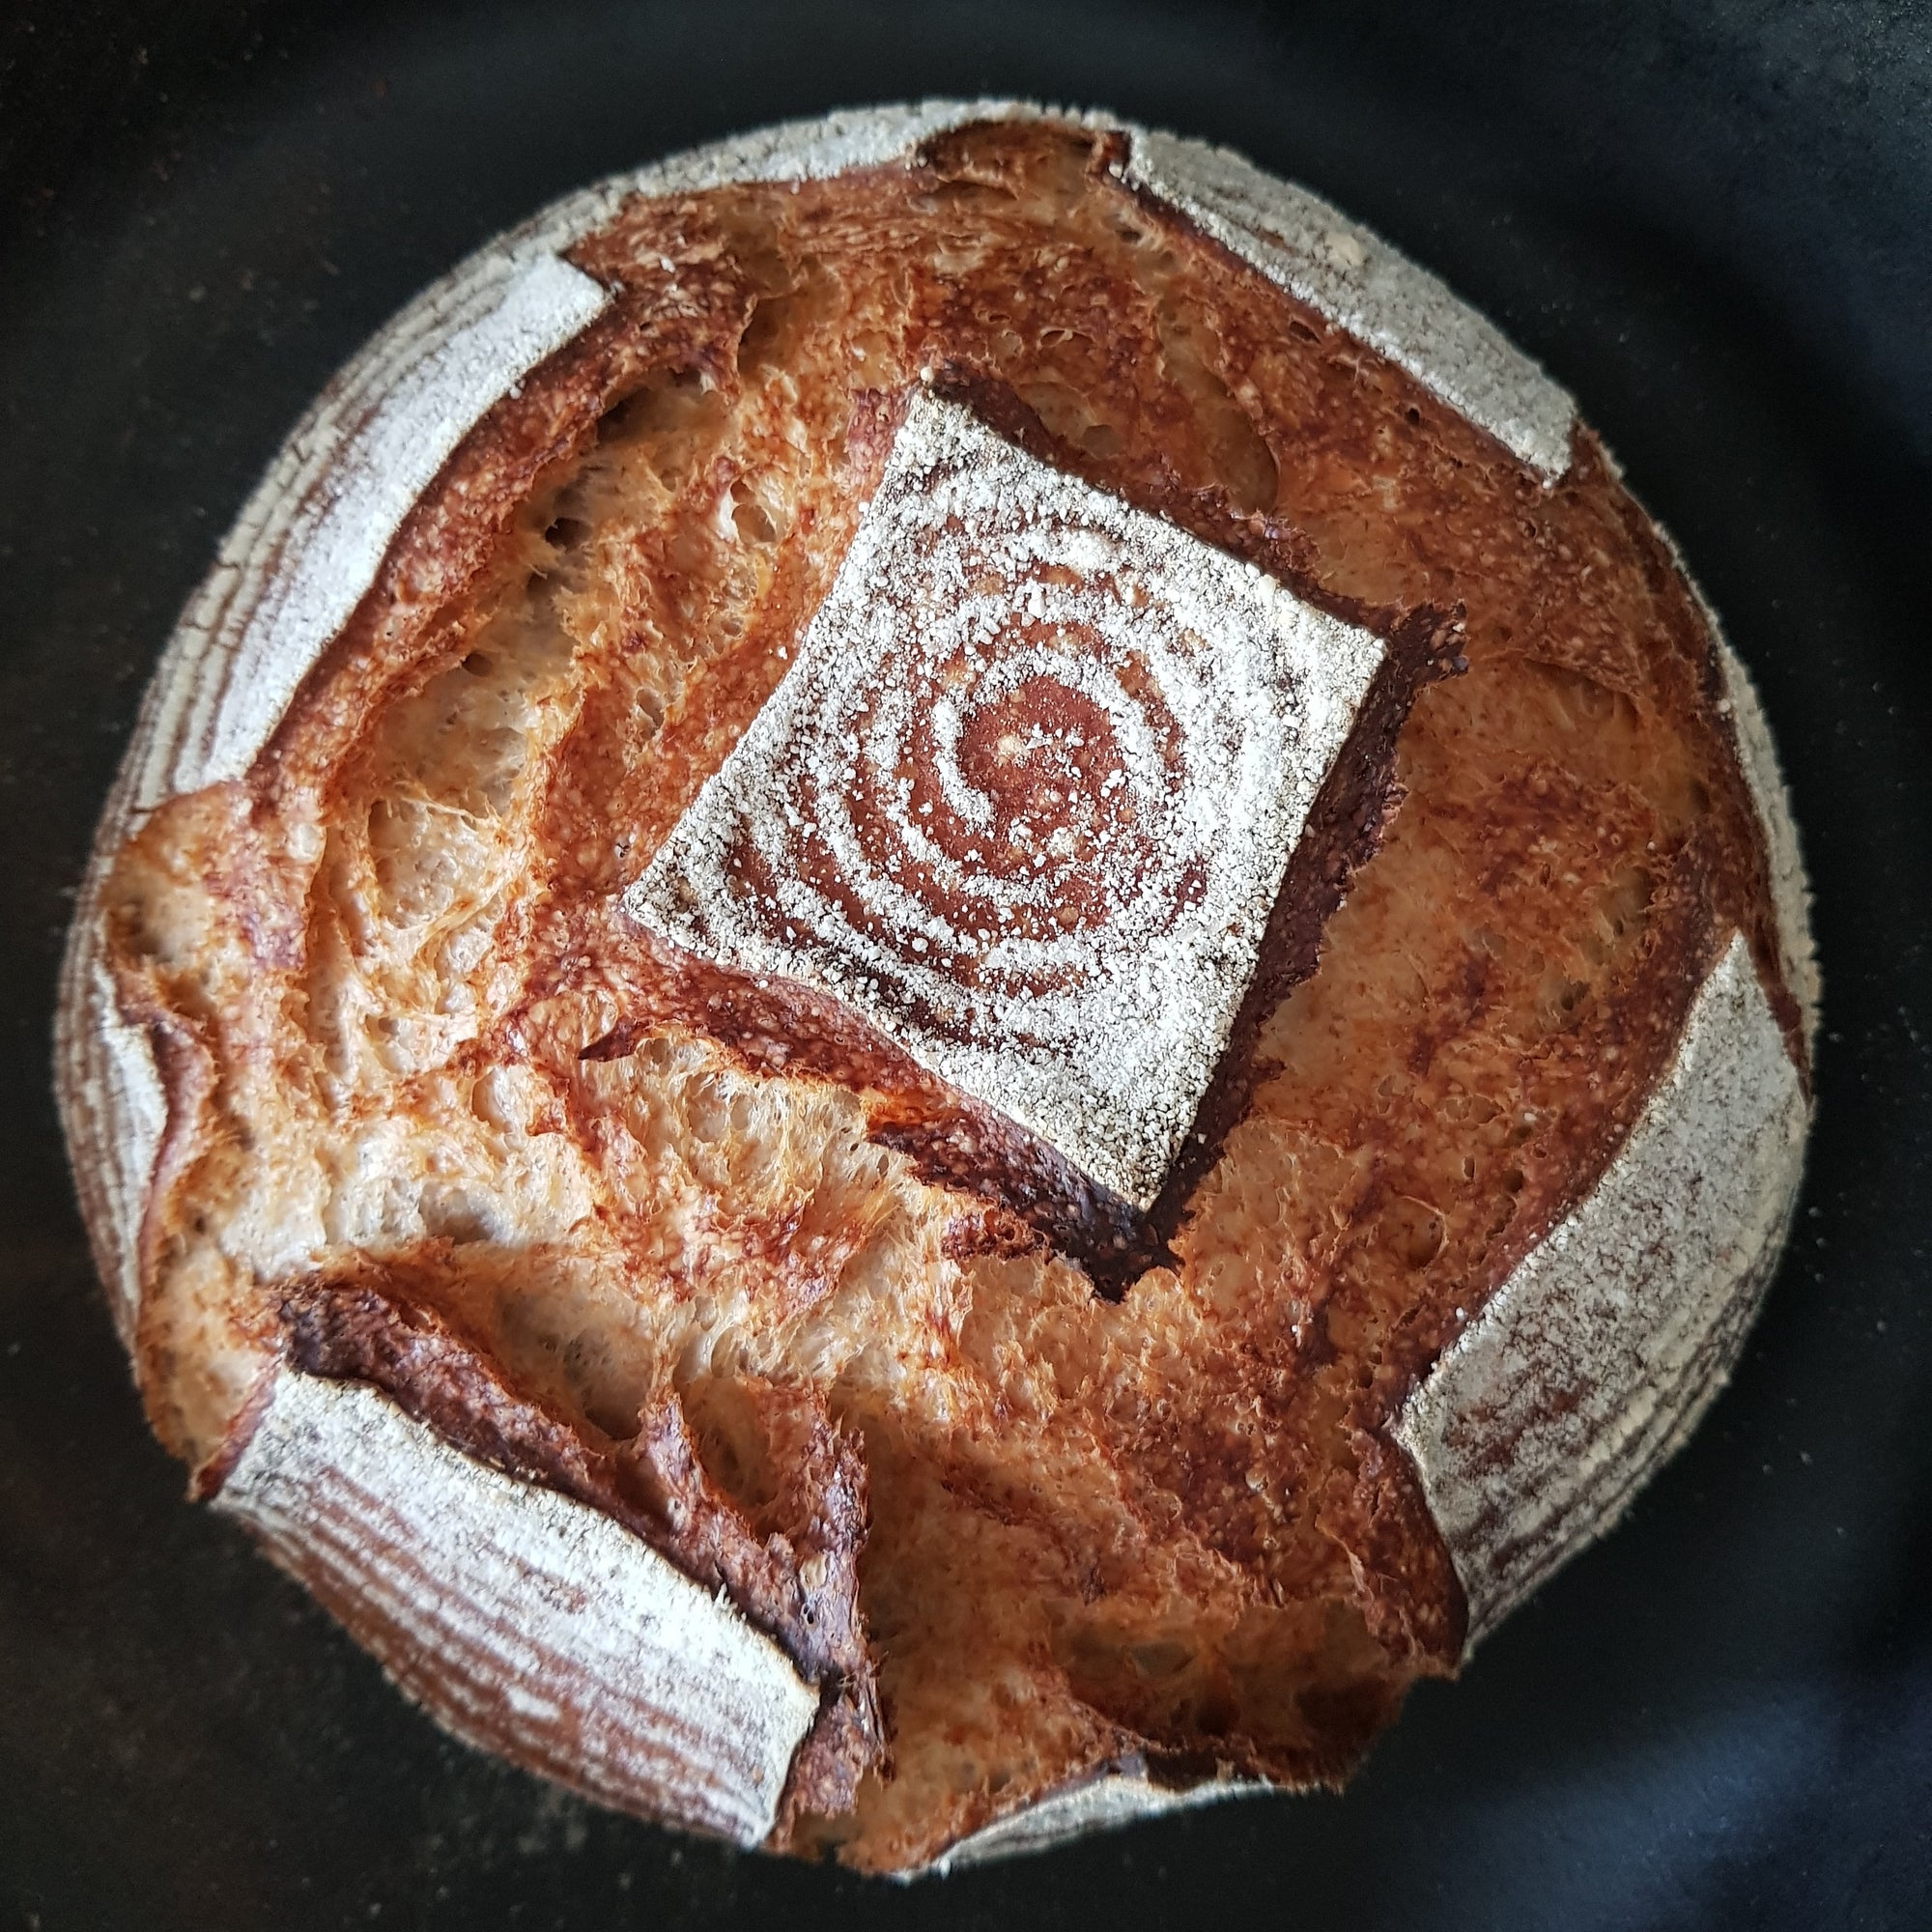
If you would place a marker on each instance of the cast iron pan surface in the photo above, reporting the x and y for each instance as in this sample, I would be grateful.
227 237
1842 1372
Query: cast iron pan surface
1709 221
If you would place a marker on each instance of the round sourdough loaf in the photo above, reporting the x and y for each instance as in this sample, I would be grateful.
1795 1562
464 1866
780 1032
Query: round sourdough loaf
943 984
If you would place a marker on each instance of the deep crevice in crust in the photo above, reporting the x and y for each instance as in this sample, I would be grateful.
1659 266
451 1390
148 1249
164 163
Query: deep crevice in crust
790 1569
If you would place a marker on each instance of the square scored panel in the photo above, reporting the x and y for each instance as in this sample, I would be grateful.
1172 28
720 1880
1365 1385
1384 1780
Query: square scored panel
1025 798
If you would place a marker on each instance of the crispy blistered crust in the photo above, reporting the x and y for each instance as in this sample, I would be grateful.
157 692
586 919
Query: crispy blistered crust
383 1432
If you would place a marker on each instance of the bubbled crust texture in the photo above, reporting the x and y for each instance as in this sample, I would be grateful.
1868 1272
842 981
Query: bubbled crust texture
1168 1532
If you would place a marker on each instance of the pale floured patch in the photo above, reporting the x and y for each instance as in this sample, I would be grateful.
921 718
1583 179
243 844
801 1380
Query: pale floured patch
525 1622
1790 887
1366 288
1025 798
1591 1362
309 545
112 1100
1116 1798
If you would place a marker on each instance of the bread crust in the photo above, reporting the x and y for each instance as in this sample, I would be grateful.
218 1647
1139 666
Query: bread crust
1593 1360
282 611
526 1621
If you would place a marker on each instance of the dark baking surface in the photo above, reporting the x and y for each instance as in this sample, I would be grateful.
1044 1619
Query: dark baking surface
1711 221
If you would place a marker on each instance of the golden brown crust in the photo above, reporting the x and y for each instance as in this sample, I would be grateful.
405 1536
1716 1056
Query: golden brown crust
1172 1528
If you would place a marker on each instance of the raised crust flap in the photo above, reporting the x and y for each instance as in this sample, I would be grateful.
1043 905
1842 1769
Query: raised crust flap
527 1623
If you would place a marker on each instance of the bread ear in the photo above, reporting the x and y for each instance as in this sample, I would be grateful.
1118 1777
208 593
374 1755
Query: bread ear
527 1623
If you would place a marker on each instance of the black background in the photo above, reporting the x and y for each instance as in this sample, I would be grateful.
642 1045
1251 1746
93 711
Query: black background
1712 222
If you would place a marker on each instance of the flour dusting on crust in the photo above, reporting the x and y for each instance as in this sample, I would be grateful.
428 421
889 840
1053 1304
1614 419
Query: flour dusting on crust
1102 1804
1790 887
1025 798
1591 1361
526 1622
1365 287
307 550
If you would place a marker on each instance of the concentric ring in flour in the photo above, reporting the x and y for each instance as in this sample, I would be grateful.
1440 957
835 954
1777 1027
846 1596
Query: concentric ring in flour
1002 907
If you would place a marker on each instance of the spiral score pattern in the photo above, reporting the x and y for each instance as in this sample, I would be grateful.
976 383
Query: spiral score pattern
1025 796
